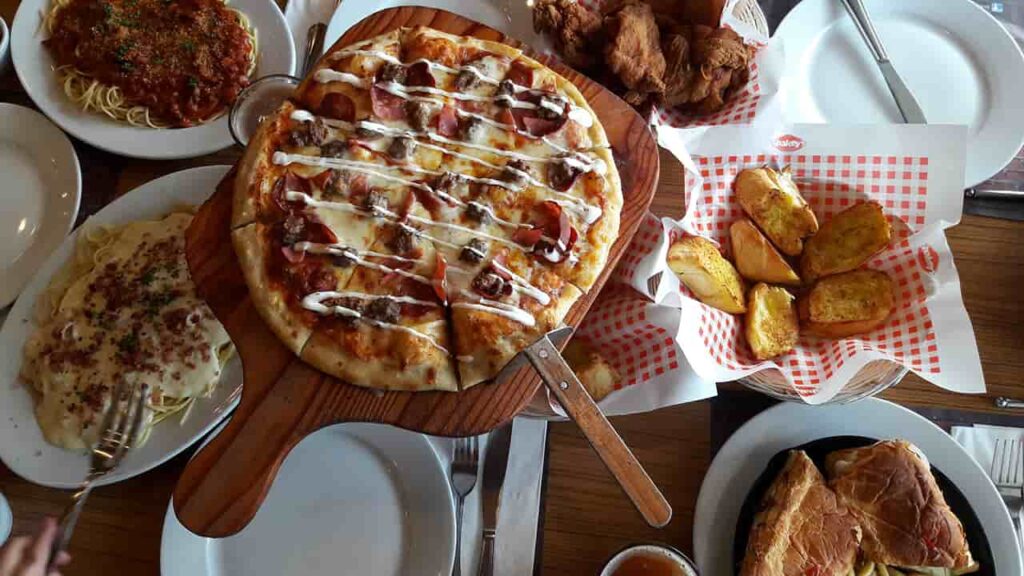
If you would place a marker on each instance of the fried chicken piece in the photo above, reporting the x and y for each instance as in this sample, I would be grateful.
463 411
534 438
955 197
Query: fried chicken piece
706 66
633 51
574 28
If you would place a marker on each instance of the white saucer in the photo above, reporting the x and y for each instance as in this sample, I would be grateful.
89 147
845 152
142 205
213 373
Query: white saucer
961 64
41 186
350 500
743 458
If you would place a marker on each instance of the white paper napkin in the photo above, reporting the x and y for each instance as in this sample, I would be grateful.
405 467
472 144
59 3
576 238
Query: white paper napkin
979 441
520 501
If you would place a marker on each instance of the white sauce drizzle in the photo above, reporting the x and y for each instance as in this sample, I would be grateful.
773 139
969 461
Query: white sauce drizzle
314 303
496 307
586 212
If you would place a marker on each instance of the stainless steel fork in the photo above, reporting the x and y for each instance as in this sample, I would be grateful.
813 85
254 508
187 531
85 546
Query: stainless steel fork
464 471
1007 473
121 427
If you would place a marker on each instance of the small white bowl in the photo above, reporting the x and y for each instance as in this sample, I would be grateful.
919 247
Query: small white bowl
684 566
5 47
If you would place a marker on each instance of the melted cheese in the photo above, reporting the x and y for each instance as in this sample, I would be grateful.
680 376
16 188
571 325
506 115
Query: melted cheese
133 316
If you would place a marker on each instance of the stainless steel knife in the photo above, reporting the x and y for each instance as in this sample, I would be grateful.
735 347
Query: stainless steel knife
495 464
905 101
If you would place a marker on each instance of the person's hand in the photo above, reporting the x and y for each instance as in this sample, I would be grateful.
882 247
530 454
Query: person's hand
28 555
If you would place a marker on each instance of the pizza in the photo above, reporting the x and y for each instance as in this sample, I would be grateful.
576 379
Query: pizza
423 208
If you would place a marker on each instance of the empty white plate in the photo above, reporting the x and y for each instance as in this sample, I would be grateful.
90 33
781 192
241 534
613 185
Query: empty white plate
961 64
41 186
350 500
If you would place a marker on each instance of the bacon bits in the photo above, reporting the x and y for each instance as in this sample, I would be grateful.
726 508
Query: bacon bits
401 148
384 309
562 174
391 72
337 105
491 285
417 114
448 122
318 280
474 252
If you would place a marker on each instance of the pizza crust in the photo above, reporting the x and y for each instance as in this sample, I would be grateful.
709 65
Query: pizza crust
290 327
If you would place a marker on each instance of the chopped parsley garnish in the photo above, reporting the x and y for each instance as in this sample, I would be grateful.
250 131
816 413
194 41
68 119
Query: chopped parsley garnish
129 343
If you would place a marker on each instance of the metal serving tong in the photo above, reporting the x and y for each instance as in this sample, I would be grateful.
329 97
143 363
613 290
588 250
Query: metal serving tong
574 398
121 427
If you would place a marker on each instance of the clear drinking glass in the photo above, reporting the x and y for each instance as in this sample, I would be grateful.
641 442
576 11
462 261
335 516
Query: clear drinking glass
257 101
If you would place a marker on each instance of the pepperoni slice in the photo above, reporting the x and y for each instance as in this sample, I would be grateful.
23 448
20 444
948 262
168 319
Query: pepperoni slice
386 106
542 127
419 75
527 236
520 74
448 122
440 280
337 105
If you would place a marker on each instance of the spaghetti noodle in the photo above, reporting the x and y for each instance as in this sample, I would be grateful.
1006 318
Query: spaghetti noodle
154 63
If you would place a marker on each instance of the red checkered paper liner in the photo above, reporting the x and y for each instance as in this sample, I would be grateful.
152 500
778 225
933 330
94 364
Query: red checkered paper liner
916 173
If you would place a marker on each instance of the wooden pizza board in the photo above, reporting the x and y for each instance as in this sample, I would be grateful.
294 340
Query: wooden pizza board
284 400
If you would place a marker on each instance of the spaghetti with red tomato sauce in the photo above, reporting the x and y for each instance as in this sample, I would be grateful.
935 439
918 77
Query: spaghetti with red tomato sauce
155 63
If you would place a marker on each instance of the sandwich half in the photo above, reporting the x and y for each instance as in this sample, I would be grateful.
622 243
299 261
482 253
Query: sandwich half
801 528
906 522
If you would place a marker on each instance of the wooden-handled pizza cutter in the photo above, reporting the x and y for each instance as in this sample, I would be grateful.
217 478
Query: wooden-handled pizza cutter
555 372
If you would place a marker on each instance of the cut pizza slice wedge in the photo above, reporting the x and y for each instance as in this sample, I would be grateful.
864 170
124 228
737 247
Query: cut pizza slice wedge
387 329
501 310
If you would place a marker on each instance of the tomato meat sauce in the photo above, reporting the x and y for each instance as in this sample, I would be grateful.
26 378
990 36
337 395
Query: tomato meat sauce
185 60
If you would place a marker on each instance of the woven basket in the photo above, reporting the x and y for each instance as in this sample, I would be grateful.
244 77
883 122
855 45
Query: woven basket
875 376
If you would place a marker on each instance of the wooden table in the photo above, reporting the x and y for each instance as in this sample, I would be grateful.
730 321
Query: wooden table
585 516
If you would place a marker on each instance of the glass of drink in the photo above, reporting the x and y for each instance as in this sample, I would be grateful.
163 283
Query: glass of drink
257 101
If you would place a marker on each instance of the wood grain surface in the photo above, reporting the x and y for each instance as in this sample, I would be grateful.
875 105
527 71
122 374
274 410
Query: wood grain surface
585 518
284 400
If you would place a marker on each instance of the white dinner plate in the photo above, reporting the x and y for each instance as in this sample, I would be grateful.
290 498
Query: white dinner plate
498 14
746 454
961 64
350 500
41 187
34 65
22 447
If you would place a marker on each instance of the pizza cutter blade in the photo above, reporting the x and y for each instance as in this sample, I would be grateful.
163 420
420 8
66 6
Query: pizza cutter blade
547 360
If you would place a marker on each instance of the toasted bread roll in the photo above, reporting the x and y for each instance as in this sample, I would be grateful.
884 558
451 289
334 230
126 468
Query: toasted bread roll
594 372
801 528
846 241
774 203
756 258
712 278
904 516
847 304
772 327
